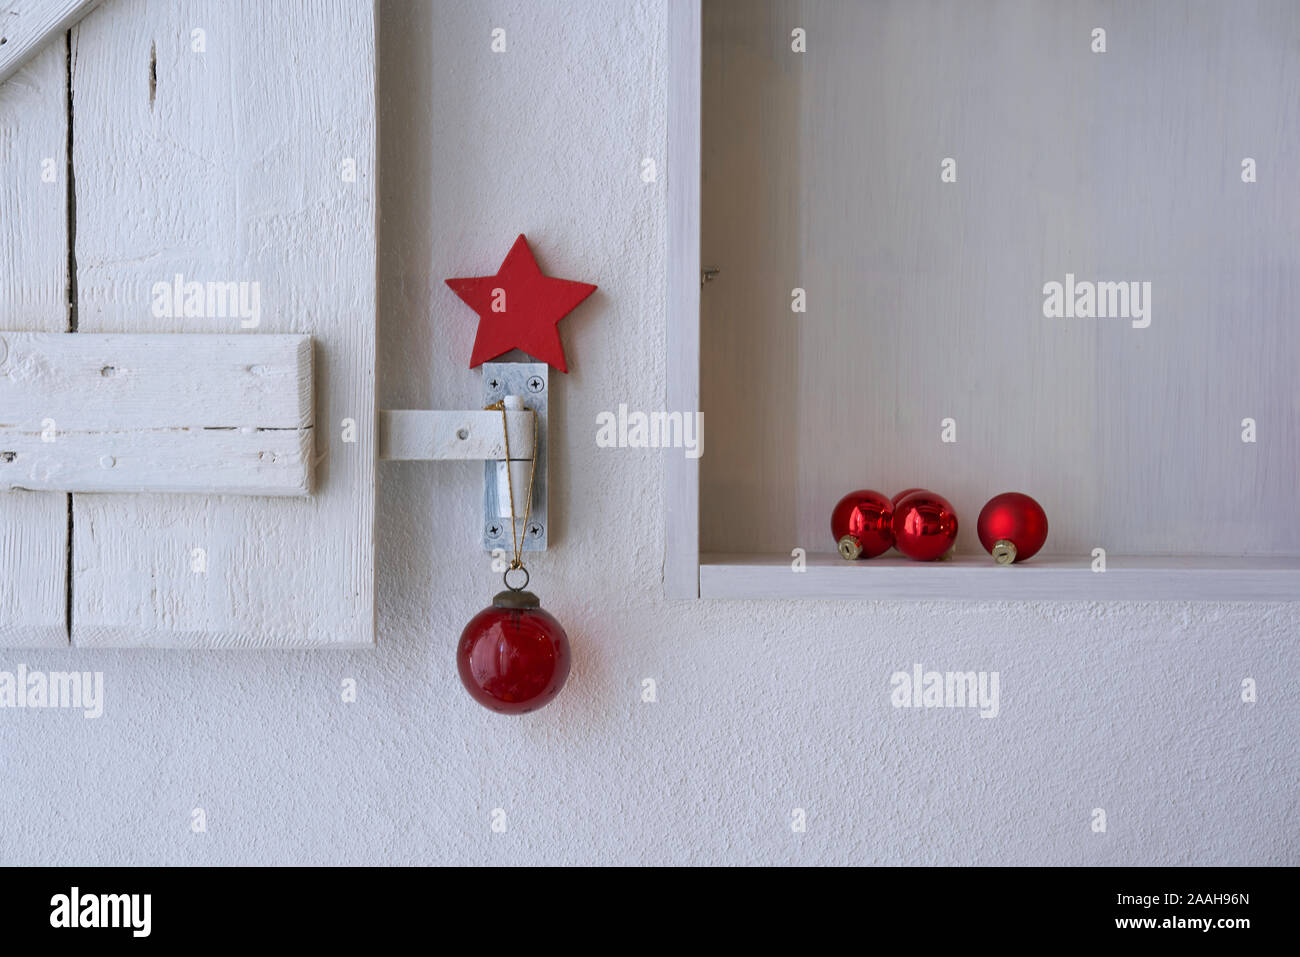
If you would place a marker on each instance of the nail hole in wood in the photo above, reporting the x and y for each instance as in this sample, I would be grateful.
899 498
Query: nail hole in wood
108 371
8 456
462 434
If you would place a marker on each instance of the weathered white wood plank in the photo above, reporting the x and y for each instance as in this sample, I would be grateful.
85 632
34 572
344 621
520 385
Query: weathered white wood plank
204 414
28 26
233 142
33 283
414 434
191 461
98 382
681 473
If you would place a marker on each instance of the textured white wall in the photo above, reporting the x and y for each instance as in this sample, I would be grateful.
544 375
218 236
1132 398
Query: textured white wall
762 707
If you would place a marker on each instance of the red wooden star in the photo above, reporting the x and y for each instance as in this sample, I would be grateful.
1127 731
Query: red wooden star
520 308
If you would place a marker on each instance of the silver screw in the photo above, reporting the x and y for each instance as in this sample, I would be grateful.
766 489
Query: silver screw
493 383
535 530
494 530
535 384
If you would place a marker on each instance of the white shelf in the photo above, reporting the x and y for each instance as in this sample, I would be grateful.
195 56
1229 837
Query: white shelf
977 578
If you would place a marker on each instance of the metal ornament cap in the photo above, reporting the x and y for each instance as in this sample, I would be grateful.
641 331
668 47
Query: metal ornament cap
1004 552
850 548
515 599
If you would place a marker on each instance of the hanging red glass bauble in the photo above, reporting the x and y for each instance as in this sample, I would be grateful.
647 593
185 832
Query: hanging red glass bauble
513 657
925 526
861 523
1012 527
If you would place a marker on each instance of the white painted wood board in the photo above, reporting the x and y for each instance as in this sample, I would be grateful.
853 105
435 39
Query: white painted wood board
418 434
233 164
1126 578
29 26
924 298
681 473
203 414
33 283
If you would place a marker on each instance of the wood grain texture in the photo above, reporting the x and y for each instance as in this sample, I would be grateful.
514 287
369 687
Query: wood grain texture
1127 578
925 298
232 165
202 414
33 282
28 26
419 435
681 473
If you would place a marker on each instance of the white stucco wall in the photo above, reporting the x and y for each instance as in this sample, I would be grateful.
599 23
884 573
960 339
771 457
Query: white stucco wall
763 707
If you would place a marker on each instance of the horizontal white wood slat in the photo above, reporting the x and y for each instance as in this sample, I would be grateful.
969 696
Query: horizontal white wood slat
106 382
418 435
28 26
33 280
1126 578
156 413
233 143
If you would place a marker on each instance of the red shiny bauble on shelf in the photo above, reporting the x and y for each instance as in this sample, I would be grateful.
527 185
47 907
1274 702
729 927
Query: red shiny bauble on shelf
1012 527
513 657
861 524
904 493
925 526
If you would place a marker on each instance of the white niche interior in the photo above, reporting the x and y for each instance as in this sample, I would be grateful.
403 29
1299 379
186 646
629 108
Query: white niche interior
823 171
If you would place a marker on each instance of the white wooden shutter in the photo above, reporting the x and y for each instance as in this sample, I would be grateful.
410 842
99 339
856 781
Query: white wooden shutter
33 278
232 163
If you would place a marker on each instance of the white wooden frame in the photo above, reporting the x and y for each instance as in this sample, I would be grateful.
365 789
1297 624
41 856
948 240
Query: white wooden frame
682 474
688 573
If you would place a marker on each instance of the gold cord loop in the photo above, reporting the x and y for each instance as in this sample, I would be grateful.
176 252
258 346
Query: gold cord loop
518 561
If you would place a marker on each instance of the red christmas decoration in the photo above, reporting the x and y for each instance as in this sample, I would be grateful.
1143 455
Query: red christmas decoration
860 523
904 493
925 526
1012 527
513 657
519 308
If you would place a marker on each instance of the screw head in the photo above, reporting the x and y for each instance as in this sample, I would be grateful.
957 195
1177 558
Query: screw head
535 530
494 530
493 384
535 384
